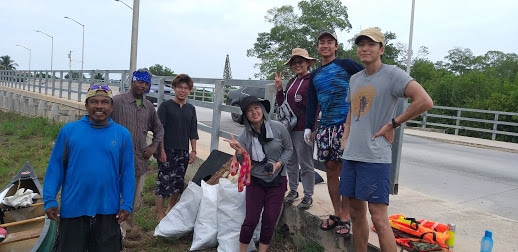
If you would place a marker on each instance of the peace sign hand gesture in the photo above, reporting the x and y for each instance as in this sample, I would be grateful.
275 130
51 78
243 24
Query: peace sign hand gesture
278 81
234 144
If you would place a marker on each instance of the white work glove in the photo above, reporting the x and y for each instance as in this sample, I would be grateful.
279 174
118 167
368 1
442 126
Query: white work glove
308 137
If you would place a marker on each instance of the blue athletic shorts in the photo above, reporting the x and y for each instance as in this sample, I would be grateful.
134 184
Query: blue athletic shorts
365 181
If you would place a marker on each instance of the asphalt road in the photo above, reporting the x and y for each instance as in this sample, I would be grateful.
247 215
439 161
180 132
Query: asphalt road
480 178
483 179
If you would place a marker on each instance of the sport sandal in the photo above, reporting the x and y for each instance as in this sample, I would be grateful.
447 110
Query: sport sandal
327 223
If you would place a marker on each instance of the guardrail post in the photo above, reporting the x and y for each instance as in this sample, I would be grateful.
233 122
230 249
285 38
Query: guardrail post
123 83
457 122
23 105
216 115
42 109
495 127
69 87
80 87
53 87
10 101
269 94
31 77
71 115
16 102
54 112
52 79
31 106
44 83
39 82
61 84
425 114
160 94
2 99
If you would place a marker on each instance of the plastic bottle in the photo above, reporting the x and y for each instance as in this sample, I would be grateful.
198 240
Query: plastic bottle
486 244
451 231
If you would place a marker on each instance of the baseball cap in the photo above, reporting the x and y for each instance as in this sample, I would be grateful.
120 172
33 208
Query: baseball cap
373 33
332 33
99 90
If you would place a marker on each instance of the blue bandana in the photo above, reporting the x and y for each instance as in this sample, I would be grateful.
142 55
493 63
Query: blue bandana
142 76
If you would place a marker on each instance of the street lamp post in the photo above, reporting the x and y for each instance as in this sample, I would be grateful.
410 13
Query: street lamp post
124 4
29 55
400 107
410 36
82 46
51 49
134 34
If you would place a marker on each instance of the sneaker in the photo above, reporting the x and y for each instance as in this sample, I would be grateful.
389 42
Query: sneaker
305 203
291 197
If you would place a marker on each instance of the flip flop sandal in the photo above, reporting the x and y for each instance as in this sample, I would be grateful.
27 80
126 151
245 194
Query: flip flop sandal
329 226
341 227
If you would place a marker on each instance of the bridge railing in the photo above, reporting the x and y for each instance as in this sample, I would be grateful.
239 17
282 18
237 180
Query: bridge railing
211 93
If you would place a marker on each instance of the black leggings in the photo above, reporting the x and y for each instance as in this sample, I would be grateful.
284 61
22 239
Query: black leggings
94 234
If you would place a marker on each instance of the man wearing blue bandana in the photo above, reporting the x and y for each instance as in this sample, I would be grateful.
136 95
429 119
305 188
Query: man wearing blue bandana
139 116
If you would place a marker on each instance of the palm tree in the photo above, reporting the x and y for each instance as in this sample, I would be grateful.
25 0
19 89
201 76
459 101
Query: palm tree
7 63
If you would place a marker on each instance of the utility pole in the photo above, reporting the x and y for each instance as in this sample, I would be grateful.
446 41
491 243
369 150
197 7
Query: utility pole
70 62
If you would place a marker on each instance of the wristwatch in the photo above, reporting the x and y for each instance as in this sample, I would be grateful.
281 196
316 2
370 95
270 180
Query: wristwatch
395 124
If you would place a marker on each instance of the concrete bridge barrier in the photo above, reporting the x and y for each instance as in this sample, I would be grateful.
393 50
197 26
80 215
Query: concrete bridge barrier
40 105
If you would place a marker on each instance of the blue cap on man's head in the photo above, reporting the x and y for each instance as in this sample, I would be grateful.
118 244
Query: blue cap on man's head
142 75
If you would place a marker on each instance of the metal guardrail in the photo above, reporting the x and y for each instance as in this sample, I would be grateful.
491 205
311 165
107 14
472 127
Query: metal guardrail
210 93
474 120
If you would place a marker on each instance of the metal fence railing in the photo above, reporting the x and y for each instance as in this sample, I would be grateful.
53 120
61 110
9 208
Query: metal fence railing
211 93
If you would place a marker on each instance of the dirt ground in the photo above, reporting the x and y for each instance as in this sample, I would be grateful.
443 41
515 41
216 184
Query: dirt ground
141 241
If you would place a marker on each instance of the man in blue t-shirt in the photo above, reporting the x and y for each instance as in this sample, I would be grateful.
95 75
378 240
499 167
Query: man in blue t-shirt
328 87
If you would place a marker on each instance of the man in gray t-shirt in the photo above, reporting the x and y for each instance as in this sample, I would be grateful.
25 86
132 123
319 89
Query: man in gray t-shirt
368 136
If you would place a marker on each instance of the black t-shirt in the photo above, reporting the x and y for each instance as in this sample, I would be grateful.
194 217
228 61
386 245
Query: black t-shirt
180 124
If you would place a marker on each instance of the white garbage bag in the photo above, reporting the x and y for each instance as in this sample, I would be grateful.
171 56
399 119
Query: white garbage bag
180 219
231 214
206 225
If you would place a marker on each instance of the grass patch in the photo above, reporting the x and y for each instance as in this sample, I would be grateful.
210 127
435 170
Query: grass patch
25 139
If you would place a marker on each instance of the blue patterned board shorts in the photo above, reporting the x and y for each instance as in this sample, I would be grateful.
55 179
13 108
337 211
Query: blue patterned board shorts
171 173
328 141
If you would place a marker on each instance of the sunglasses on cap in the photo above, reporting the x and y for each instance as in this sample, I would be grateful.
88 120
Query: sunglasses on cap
330 32
97 87
327 31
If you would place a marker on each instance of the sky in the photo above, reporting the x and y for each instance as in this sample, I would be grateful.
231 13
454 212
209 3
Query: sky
194 36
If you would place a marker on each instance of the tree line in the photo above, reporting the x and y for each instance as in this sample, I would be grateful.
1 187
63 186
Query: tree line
462 79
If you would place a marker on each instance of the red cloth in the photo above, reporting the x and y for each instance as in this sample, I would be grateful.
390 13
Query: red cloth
244 170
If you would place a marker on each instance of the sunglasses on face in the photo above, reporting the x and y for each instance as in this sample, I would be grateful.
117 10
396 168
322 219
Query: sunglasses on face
297 62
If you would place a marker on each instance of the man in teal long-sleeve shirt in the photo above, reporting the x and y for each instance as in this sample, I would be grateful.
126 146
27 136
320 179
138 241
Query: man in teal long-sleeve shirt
92 163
